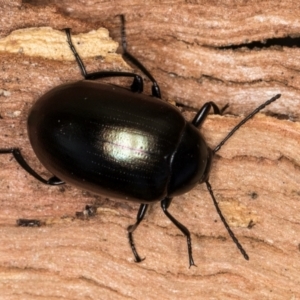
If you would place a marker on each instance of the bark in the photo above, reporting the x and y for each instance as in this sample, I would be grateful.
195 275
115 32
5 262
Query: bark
198 51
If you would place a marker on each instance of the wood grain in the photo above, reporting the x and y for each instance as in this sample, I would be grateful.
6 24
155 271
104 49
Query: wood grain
255 176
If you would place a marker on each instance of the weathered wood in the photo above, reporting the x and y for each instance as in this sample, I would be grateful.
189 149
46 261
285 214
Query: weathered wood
255 176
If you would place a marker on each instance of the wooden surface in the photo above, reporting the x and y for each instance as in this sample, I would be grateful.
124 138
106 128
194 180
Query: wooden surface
255 176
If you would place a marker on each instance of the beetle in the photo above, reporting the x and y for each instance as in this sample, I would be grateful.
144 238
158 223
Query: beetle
121 143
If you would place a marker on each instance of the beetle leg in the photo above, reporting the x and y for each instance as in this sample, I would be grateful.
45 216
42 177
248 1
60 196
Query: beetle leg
203 112
155 87
137 85
140 216
29 223
75 53
55 181
164 205
20 159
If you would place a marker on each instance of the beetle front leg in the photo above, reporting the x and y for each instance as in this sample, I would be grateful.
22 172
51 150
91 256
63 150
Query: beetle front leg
21 161
204 110
164 205
140 216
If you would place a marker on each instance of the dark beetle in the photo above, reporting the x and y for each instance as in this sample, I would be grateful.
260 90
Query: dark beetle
121 143
110 141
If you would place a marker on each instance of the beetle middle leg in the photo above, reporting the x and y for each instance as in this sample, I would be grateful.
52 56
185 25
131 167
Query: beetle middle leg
165 205
21 161
140 216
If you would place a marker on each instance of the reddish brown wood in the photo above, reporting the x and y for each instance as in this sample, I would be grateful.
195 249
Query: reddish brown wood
255 176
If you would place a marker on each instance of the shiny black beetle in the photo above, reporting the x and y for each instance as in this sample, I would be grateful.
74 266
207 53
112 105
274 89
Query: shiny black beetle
121 143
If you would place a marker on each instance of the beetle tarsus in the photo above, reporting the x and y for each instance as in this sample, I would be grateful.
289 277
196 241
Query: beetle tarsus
165 205
131 228
75 53
16 152
191 260
138 259
29 223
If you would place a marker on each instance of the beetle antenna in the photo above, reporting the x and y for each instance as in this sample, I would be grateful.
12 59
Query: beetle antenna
230 134
235 240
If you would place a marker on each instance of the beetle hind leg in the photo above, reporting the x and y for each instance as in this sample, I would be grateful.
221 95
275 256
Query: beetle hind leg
155 87
21 161
140 216
137 86
164 205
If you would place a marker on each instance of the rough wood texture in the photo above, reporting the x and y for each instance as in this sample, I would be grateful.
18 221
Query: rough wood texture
255 177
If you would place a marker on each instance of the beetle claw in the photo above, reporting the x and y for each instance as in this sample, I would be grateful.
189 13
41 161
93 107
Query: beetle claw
138 259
